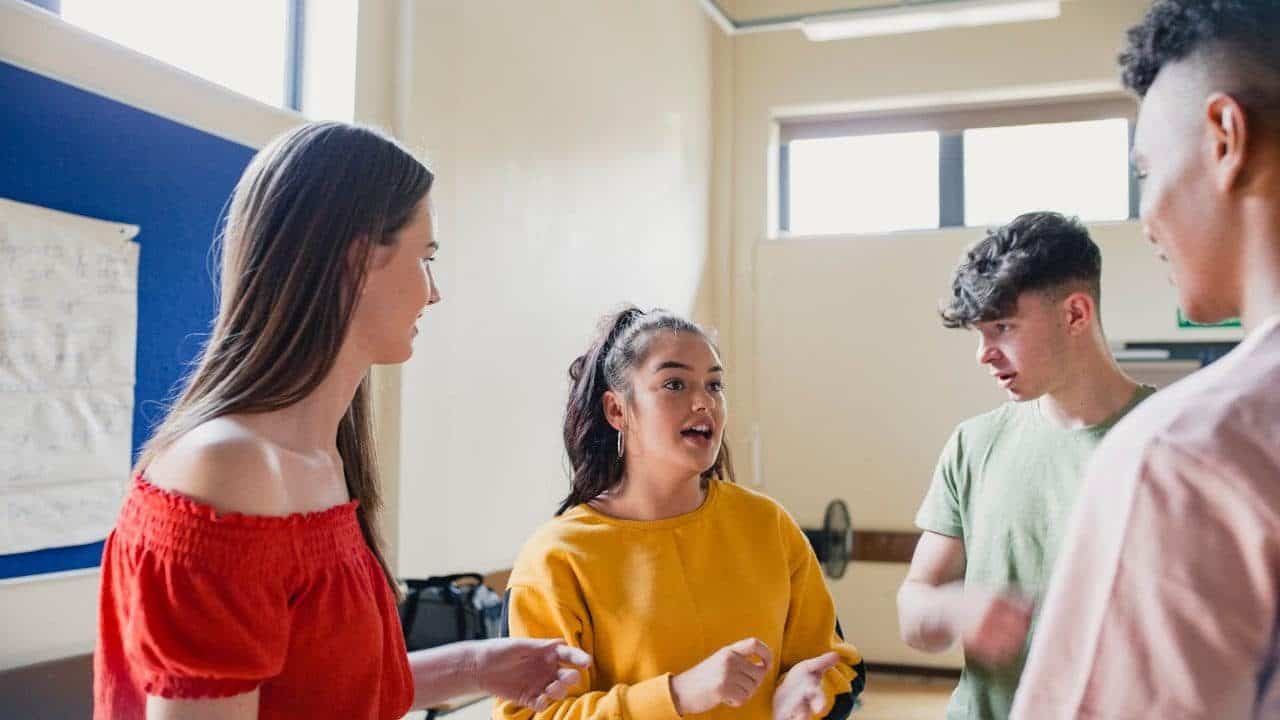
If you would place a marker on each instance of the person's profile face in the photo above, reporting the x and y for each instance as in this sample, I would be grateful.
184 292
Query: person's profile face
398 288
1023 350
1183 213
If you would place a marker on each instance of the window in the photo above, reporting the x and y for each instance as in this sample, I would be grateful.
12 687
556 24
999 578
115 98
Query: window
265 49
956 168
239 44
864 184
1077 168
329 59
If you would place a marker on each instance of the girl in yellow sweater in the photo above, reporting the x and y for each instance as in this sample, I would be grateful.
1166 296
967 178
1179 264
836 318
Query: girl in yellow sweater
694 596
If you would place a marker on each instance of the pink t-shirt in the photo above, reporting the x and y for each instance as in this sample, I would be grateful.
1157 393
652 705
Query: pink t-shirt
1164 601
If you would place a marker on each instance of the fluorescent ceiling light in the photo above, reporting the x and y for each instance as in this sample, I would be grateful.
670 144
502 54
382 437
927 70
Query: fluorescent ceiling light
927 16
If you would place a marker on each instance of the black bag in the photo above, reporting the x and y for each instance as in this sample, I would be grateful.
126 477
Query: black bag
440 610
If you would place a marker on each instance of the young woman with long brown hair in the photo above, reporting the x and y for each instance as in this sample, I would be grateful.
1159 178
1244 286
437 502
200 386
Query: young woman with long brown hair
245 577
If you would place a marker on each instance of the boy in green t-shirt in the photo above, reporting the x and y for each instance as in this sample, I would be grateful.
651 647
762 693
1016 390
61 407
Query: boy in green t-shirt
1007 480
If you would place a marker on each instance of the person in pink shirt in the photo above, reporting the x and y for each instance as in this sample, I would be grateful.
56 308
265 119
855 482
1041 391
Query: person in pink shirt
1165 600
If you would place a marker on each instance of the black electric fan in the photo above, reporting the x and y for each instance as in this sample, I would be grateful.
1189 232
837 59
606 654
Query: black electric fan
833 542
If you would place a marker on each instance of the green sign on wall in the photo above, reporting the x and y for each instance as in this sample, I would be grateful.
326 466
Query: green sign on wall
1183 322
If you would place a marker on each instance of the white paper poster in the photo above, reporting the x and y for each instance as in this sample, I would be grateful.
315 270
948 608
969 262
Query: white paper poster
68 325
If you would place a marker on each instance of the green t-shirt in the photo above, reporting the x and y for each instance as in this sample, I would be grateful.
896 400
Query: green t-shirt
1005 484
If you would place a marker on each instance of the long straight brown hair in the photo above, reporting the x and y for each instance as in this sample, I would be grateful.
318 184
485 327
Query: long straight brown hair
301 224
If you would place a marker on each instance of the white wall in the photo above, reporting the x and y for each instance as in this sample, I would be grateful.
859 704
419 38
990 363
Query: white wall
834 343
572 142
55 617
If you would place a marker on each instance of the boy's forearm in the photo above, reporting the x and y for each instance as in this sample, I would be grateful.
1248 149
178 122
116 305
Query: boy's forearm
926 614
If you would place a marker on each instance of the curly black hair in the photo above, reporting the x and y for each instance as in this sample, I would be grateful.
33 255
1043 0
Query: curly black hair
1039 251
1244 35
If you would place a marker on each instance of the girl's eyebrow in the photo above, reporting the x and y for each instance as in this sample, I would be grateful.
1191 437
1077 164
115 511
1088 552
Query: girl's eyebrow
673 365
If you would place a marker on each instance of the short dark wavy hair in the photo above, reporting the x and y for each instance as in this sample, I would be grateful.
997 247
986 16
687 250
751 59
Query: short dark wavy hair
1239 35
1039 251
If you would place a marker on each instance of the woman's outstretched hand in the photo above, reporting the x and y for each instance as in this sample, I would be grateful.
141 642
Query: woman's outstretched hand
531 673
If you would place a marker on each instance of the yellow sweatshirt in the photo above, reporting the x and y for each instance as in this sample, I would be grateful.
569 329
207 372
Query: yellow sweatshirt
651 599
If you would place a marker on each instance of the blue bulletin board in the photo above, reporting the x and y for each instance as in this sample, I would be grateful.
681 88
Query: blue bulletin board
68 149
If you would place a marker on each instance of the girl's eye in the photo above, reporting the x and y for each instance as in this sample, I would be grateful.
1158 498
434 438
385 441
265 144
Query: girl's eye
715 387
674 385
